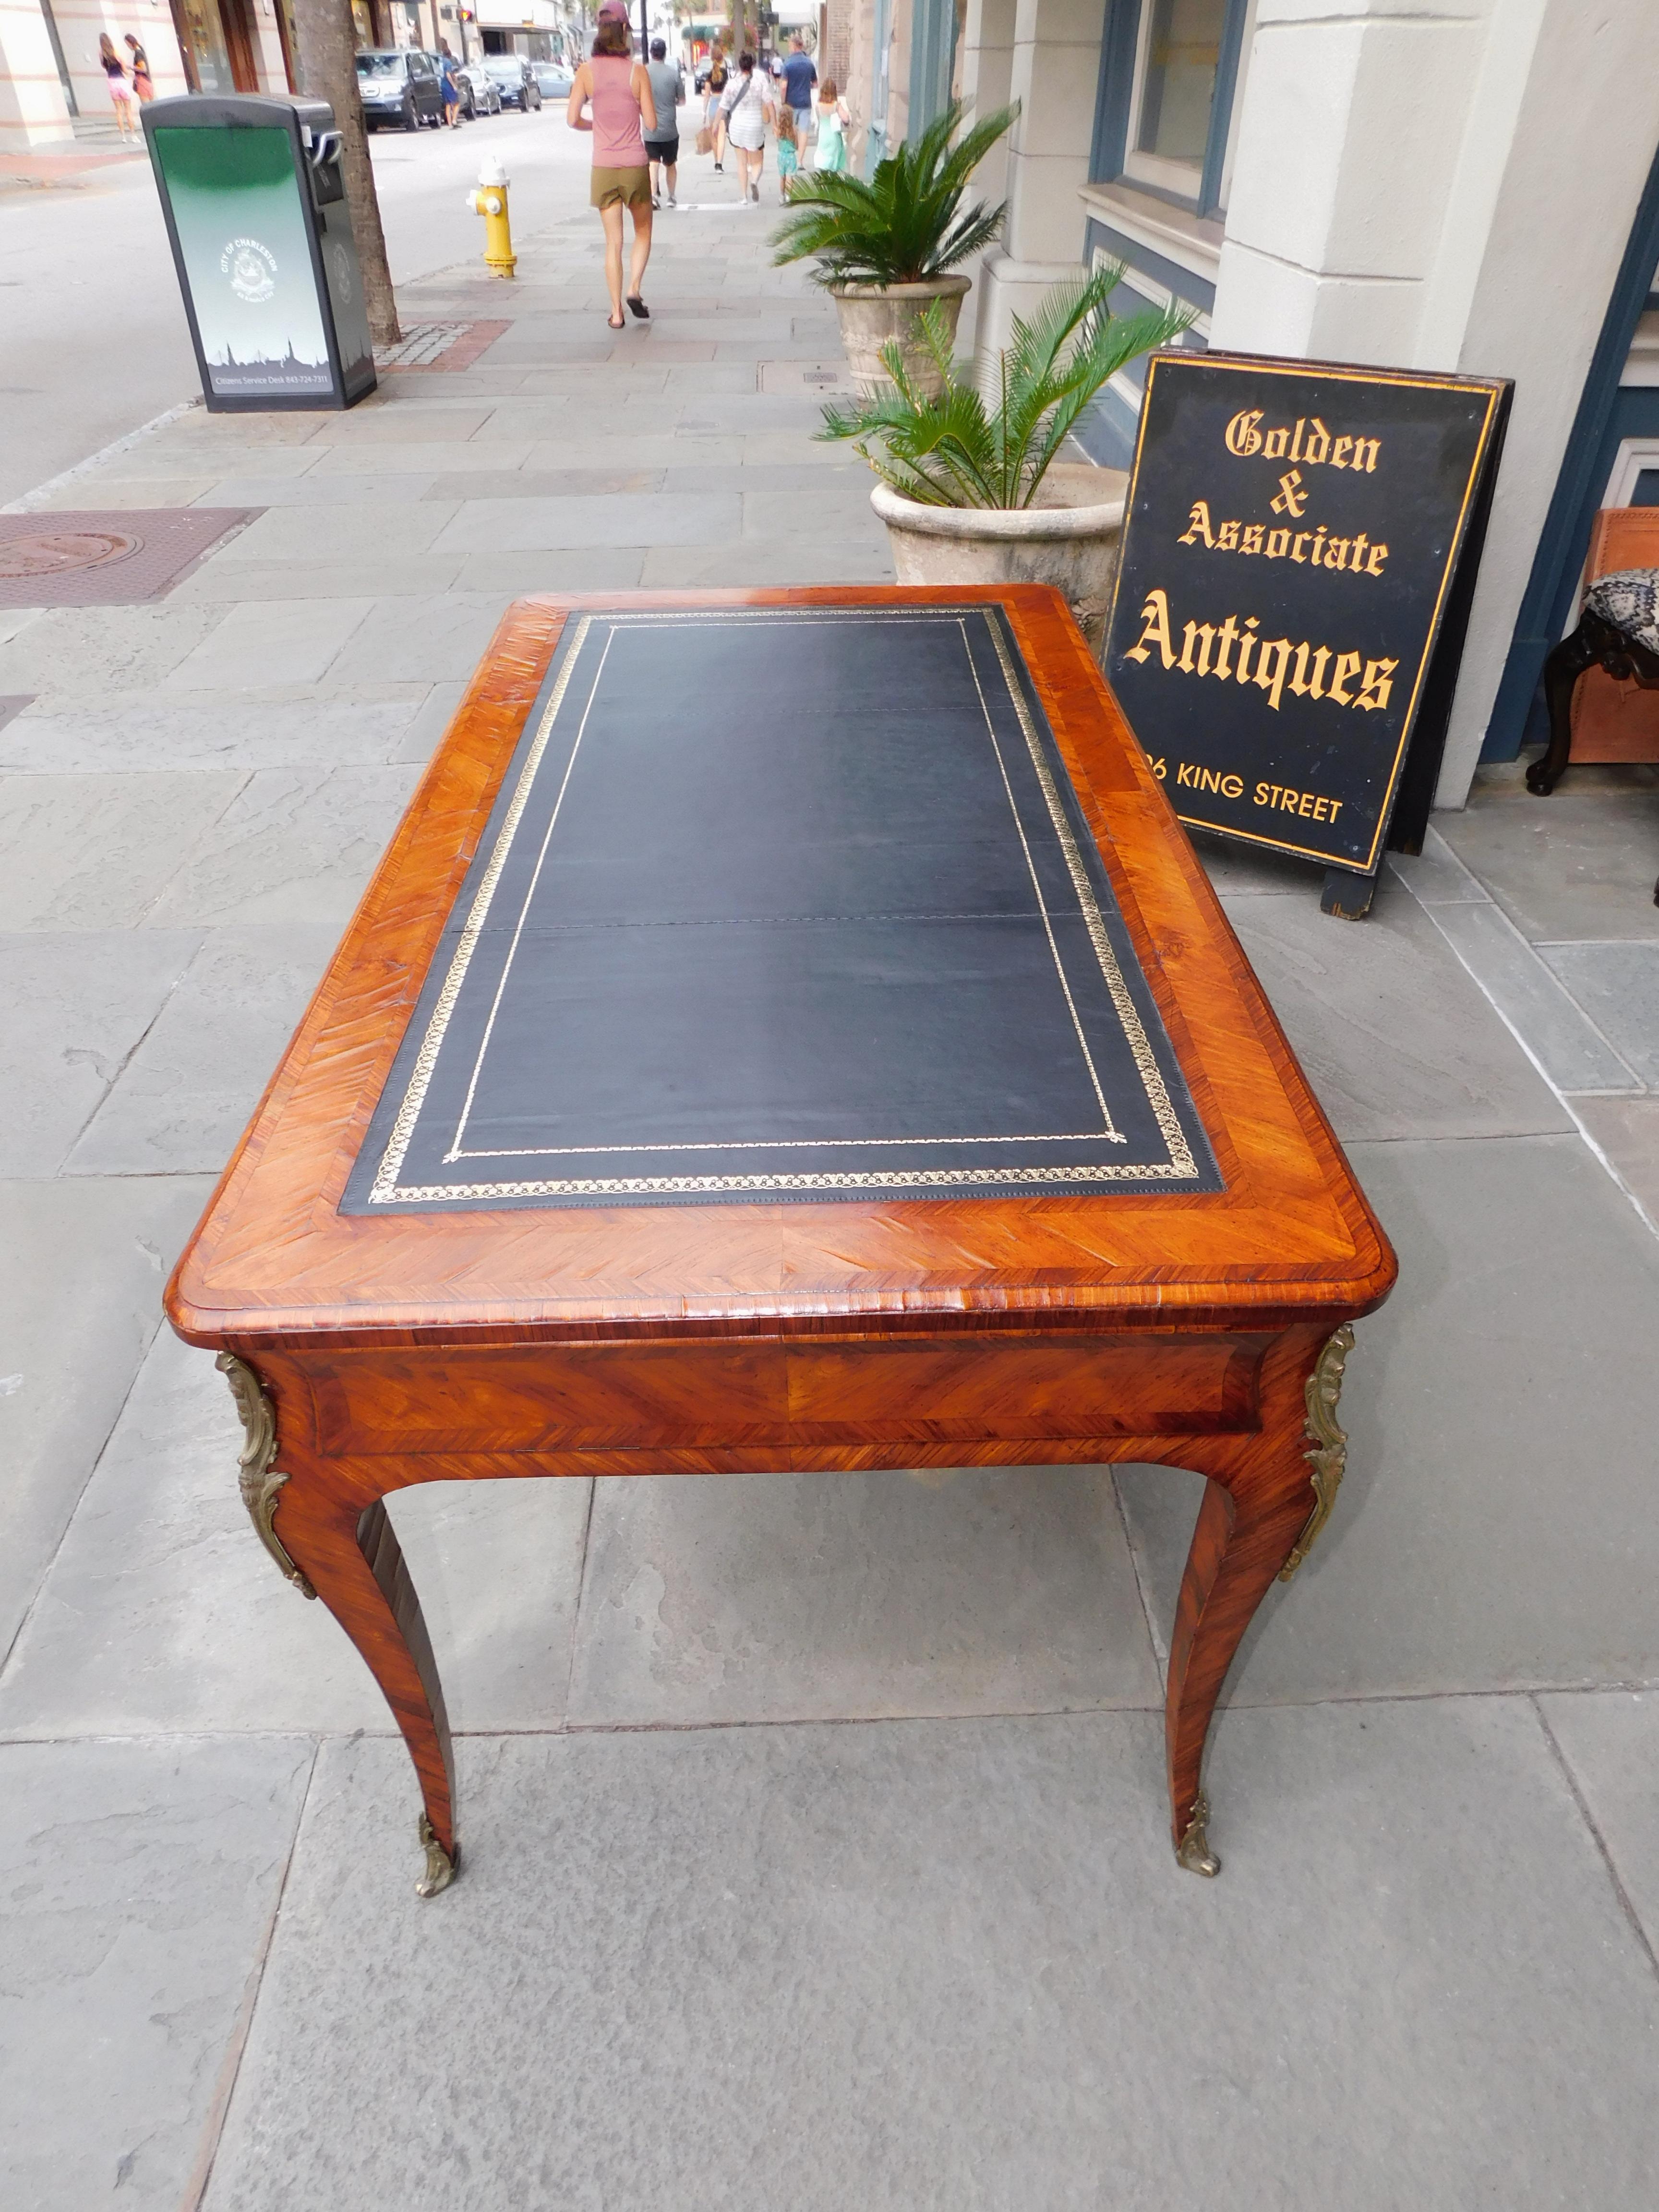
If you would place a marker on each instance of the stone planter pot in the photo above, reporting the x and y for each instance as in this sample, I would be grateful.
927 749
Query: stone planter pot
873 315
1070 539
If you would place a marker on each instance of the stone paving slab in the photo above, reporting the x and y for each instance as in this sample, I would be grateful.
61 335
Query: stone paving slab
1436 876
514 525
1609 1740
953 1963
1579 864
420 458
1494 1529
413 576
74 1007
425 640
269 642
104 651
390 488
186 1091
1628 1132
805 558
95 852
512 576
138 1883
1617 987
807 1596
79 1305
101 738
142 491
293 846
1573 1050
1396 1038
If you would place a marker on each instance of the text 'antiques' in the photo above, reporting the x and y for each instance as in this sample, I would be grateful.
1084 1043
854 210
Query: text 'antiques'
1291 542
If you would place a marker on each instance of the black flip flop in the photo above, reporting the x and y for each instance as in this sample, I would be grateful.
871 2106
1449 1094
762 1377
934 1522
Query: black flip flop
636 306
622 325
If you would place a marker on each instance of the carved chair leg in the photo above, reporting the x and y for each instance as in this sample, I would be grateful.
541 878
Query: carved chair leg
1580 650
1253 1527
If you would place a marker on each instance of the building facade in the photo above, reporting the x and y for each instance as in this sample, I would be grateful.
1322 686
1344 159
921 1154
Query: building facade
51 74
1461 186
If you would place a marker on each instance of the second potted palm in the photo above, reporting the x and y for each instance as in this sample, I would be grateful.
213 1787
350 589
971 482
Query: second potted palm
891 247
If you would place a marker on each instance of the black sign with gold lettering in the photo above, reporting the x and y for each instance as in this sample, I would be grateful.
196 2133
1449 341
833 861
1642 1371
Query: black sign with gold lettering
1291 545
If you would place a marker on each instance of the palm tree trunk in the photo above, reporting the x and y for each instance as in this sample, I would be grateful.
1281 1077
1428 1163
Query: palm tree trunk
328 71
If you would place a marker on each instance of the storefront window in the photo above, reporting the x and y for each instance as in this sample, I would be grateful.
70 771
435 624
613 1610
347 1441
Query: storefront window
205 39
1172 74
1177 83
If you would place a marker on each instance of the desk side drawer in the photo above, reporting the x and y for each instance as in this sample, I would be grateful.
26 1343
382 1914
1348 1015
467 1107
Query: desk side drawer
1027 1389
545 1397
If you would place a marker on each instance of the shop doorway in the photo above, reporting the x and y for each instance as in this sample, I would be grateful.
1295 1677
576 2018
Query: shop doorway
217 44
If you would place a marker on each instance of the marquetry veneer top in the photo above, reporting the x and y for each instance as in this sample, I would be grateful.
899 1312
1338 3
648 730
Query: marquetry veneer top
1288 1237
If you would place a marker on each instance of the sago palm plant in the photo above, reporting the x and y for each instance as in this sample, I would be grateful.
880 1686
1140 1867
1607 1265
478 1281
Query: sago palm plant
905 224
954 451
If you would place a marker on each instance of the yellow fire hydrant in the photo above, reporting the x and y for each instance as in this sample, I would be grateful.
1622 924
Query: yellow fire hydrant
490 202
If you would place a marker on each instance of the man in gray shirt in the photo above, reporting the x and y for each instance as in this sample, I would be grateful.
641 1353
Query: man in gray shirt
662 145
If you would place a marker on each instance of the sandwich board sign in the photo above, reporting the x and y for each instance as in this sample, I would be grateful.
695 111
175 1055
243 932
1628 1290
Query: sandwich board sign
1299 551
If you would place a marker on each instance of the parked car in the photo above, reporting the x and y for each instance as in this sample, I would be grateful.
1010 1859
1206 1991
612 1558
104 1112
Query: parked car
399 85
514 81
480 93
553 79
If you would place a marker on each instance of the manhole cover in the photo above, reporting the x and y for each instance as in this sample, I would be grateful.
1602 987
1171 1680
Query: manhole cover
103 557
56 552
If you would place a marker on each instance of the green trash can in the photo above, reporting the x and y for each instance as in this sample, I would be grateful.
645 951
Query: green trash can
256 209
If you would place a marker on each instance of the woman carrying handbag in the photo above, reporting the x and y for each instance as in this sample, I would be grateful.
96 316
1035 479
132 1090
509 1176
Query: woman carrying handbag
746 107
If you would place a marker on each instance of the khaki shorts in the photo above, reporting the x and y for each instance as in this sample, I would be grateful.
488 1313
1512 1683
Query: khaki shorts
620 188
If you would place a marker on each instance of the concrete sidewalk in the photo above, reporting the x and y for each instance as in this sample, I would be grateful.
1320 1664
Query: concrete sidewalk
814 1826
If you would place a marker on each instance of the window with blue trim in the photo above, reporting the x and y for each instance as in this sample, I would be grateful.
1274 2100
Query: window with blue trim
1168 87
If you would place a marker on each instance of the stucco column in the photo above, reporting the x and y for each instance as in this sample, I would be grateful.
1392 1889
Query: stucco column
32 109
1352 119
1054 74
985 74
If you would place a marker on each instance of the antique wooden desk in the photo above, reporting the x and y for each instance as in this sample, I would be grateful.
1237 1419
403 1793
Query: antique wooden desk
789 1029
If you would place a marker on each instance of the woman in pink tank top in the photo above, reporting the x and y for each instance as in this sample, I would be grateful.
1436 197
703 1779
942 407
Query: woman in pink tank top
618 90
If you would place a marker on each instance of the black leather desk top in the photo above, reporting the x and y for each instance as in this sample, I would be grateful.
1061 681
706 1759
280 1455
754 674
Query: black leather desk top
780 903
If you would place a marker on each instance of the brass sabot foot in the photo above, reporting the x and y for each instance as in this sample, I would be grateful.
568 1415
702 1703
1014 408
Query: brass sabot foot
1194 1851
440 1866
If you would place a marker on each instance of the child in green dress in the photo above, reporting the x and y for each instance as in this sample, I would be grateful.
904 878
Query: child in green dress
788 152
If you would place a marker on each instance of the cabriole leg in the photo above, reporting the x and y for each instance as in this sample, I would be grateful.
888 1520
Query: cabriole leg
1258 1518
331 1545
